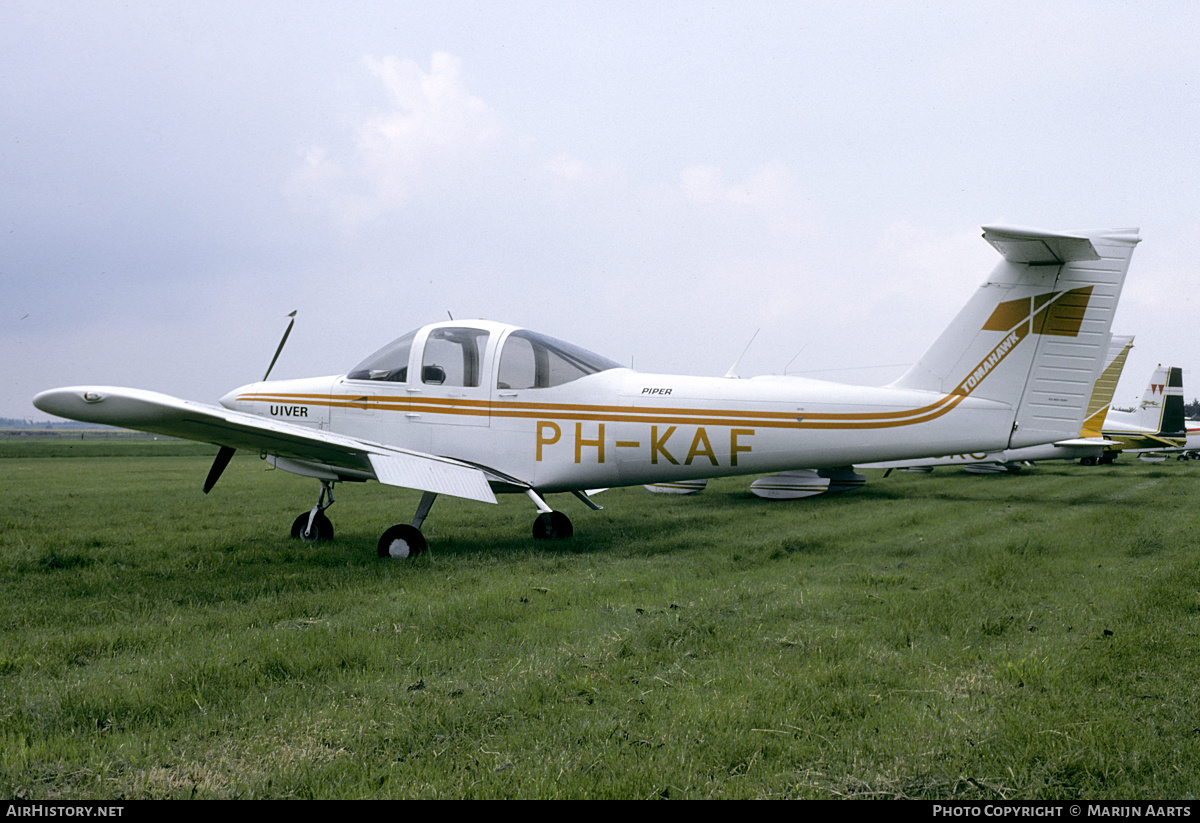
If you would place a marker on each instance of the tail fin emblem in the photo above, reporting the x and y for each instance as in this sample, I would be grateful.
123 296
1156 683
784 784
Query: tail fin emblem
1054 313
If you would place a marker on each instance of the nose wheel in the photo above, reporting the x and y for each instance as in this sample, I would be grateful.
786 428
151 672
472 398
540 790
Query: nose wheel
320 528
313 525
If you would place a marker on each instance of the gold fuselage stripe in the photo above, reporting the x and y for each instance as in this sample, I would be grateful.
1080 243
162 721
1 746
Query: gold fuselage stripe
623 414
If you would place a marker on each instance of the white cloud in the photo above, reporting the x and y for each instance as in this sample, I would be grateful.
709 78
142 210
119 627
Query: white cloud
433 113
431 132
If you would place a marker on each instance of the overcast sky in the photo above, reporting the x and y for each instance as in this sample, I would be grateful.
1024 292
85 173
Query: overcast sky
655 181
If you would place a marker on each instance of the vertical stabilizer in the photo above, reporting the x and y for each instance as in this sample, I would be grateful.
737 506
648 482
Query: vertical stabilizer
1174 422
1161 409
1036 333
1106 386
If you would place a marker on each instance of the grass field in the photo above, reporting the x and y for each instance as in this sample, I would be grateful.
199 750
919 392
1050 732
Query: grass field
928 636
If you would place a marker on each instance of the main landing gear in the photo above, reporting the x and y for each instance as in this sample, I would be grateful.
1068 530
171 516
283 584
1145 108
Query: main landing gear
405 540
554 525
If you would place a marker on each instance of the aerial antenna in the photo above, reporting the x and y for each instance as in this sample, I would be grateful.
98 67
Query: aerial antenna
732 369
448 314
281 342
794 356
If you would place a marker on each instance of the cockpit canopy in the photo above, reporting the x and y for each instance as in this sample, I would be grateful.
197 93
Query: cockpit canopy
455 356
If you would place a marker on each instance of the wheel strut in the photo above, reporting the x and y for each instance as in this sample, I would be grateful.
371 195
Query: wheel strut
314 525
550 524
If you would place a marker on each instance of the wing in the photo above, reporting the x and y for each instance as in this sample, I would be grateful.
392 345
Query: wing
363 459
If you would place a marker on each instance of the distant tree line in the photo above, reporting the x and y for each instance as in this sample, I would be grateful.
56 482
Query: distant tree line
1192 410
14 423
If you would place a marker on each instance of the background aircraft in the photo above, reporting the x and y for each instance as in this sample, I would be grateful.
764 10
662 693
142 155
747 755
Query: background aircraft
474 408
1156 425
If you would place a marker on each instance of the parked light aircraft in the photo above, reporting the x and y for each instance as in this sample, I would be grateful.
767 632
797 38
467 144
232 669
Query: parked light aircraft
1088 445
1156 425
1191 446
470 409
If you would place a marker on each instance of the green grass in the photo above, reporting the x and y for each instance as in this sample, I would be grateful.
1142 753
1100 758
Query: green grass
928 636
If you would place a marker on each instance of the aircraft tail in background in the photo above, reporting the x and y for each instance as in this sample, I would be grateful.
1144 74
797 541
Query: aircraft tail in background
1157 423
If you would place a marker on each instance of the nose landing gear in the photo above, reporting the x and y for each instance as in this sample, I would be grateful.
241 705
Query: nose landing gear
313 525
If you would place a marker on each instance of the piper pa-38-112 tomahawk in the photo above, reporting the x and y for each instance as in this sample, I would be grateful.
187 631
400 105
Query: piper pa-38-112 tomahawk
470 409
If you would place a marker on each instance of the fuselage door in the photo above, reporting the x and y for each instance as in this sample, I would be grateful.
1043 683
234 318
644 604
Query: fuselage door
453 383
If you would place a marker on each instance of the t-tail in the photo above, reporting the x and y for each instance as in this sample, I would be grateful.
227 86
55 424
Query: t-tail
1106 386
1038 330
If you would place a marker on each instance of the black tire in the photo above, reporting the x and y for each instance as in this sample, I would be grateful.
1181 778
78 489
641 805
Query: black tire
402 542
552 526
322 529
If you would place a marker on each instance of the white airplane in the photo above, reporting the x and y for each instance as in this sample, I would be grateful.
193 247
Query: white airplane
1088 445
1191 446
1157 425
470 409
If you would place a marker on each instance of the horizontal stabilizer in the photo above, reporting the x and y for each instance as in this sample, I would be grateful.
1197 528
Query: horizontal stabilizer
1039 247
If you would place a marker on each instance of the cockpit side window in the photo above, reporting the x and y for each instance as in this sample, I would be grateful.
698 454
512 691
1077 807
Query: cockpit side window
534 361
454 357
389 364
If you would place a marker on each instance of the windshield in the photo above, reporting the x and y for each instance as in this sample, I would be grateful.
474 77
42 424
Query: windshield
389 363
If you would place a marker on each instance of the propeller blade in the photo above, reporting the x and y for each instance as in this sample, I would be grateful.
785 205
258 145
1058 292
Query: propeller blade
218 466
281 342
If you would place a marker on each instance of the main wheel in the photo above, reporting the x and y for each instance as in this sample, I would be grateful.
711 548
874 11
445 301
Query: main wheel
402 541
552 526
322 529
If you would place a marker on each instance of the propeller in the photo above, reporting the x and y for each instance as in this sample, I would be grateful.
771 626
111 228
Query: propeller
218 466
225 454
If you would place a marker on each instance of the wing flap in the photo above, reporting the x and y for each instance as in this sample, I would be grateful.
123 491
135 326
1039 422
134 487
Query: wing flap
432 474
162 414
